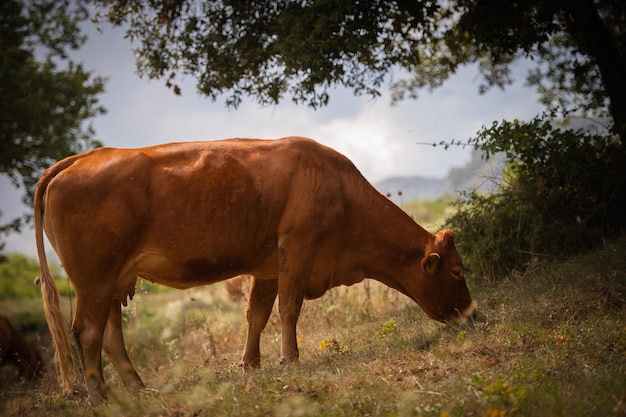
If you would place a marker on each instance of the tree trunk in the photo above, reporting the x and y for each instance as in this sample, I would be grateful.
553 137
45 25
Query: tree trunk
599 43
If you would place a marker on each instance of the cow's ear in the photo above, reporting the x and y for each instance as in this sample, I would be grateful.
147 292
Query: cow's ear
430 262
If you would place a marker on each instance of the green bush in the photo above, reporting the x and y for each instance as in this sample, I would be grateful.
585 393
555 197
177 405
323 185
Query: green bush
562 192
17 275
429 213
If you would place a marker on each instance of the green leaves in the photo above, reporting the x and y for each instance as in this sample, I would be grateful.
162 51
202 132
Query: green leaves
269 50
563 191
45 99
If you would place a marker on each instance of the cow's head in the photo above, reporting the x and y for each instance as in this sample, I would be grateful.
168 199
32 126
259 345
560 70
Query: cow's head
444 294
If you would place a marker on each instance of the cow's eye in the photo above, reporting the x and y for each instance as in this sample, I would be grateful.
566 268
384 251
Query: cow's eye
457 273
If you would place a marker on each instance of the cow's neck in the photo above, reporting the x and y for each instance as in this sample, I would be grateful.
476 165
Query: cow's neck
393 245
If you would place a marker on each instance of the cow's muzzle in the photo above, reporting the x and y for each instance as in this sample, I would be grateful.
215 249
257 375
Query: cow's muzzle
461 317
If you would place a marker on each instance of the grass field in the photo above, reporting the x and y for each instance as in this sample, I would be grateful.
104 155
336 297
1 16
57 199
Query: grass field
548 342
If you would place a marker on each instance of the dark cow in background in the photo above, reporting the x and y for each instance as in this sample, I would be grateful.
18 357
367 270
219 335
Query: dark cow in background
295 214
15 351
238 287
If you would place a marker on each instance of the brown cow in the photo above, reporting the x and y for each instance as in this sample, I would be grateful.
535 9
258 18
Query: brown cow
295 214
14 350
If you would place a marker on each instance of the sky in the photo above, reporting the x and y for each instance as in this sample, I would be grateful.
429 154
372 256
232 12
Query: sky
382 140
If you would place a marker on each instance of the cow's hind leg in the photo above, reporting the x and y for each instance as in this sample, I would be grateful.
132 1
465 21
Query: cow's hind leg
88 328
260 303
113 346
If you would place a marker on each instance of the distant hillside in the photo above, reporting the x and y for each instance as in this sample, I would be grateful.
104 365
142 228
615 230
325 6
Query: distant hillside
476 174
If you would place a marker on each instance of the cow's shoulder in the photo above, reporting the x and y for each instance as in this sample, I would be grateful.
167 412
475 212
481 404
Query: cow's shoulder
316 153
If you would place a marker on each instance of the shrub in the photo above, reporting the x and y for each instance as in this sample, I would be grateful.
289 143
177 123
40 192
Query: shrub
17 275
563 190
429 213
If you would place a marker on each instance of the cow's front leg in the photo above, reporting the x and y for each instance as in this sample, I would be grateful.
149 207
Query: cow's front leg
295 259
293 273
260 303
289 306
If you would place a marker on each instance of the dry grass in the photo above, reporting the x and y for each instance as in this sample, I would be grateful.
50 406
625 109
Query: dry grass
549 342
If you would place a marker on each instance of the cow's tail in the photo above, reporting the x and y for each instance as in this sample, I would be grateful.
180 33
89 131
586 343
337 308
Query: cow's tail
54 316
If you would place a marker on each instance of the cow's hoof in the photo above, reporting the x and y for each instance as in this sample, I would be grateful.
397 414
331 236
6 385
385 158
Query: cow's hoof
288 361
249 367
